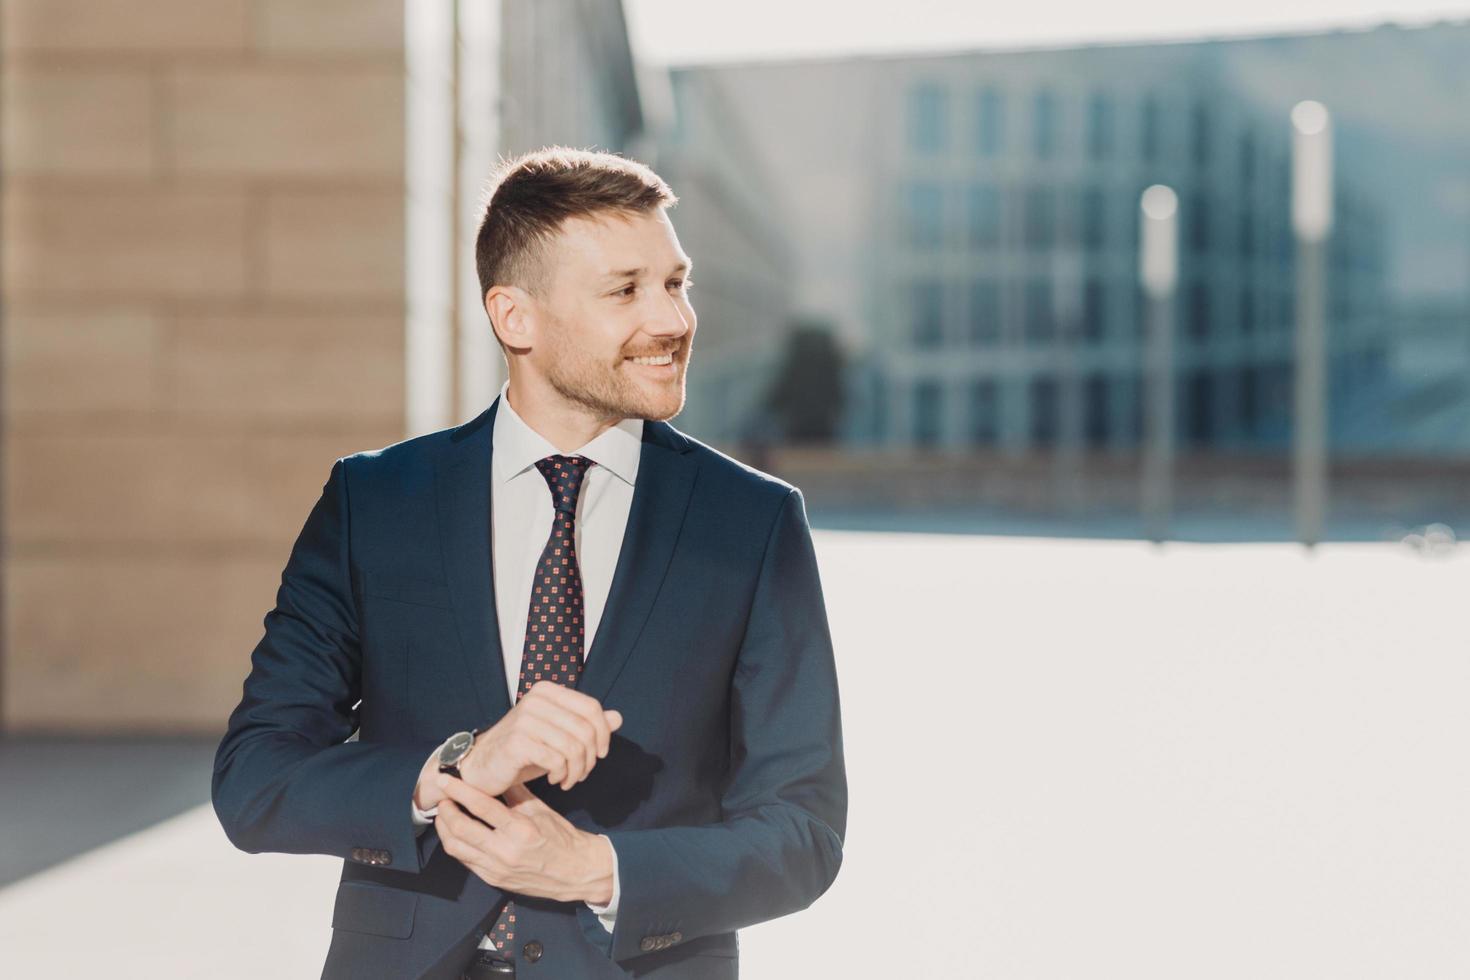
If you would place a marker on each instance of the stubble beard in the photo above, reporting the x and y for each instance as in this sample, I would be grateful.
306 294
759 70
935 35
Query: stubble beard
612 392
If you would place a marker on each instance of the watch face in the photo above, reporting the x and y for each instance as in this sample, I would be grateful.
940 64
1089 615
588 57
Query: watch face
456 748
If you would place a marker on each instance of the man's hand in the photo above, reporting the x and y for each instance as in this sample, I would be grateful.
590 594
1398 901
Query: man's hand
527 848
553 730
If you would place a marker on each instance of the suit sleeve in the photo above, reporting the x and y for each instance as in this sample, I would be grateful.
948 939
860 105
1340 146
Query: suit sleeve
287 776
607 915
779 845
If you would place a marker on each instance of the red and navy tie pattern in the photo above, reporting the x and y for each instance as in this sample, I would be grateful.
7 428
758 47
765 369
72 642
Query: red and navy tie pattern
552 649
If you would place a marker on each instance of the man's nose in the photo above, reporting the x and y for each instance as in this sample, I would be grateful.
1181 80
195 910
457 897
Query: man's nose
668 319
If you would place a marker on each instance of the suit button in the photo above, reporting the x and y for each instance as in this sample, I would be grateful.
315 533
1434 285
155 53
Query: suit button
531 951
357 854
675 938
647 943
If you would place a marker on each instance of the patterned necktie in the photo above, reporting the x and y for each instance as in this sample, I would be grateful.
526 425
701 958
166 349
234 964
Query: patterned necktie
553 646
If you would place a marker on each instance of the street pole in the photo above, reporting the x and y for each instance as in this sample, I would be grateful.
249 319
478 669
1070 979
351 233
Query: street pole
1311 220
1158 269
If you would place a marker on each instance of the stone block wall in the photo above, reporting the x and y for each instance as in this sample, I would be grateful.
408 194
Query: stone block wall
201 224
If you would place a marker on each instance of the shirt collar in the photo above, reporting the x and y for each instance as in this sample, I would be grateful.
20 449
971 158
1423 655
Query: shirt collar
516 446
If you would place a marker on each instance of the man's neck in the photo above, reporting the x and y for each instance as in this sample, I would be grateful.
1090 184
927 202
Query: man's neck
564 426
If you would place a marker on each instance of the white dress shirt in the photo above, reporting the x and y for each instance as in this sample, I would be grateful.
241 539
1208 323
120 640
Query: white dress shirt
521 515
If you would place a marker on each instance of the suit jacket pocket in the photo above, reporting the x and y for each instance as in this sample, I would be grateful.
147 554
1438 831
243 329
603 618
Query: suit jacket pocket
377 909
419 591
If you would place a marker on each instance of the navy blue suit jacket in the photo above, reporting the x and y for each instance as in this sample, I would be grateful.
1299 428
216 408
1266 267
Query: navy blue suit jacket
724 792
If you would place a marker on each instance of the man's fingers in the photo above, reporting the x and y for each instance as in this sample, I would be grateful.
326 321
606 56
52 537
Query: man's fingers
543 757
476 801
464 838
571 709
581 749
552 763
585 704
591 712
538 739
454 844
594 726
571 749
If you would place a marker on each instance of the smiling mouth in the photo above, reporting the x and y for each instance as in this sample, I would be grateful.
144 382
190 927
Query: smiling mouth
673 358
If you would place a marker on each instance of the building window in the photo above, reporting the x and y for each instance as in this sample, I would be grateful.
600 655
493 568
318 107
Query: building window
1094 310
983 207
1339 305
1199 311
1200 134
1249 403
928 411
1044 125
1099 127
928 315
991 122
1247 233
1040 319
984 420
1247 310
1068 222
1134 225
925 216
1276 392
1094 218
984 313
1095 399
879 394
1040 217
1199 398
1014 229
1130 395
1149 130
928 118
1199 221
1043 411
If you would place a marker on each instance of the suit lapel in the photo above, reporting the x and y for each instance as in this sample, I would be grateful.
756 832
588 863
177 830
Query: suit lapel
462 487
661 496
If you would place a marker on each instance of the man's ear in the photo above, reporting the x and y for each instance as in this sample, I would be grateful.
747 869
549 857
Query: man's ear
512 315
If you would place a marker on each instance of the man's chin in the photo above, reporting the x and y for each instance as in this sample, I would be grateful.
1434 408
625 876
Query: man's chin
660 408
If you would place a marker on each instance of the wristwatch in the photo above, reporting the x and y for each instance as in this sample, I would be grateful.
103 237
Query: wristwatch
454 749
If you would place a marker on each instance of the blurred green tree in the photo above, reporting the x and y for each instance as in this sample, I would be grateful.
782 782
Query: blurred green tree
806 398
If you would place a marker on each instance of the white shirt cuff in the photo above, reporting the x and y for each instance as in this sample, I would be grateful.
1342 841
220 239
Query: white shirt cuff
608 914
422 818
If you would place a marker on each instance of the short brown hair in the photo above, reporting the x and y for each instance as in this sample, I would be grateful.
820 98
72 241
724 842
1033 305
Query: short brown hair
529 197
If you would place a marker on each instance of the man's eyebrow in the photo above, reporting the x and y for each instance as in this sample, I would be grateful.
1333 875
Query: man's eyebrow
685 266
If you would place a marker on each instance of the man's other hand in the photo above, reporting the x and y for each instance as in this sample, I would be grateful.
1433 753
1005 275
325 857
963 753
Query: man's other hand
522 845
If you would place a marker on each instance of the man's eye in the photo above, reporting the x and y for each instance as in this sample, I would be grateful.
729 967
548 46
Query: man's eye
627 290
685 283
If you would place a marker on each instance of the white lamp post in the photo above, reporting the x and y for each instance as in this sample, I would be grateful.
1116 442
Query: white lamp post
1311 221
1158 269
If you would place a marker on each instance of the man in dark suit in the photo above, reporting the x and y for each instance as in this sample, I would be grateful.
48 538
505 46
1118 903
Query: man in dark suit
585 656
